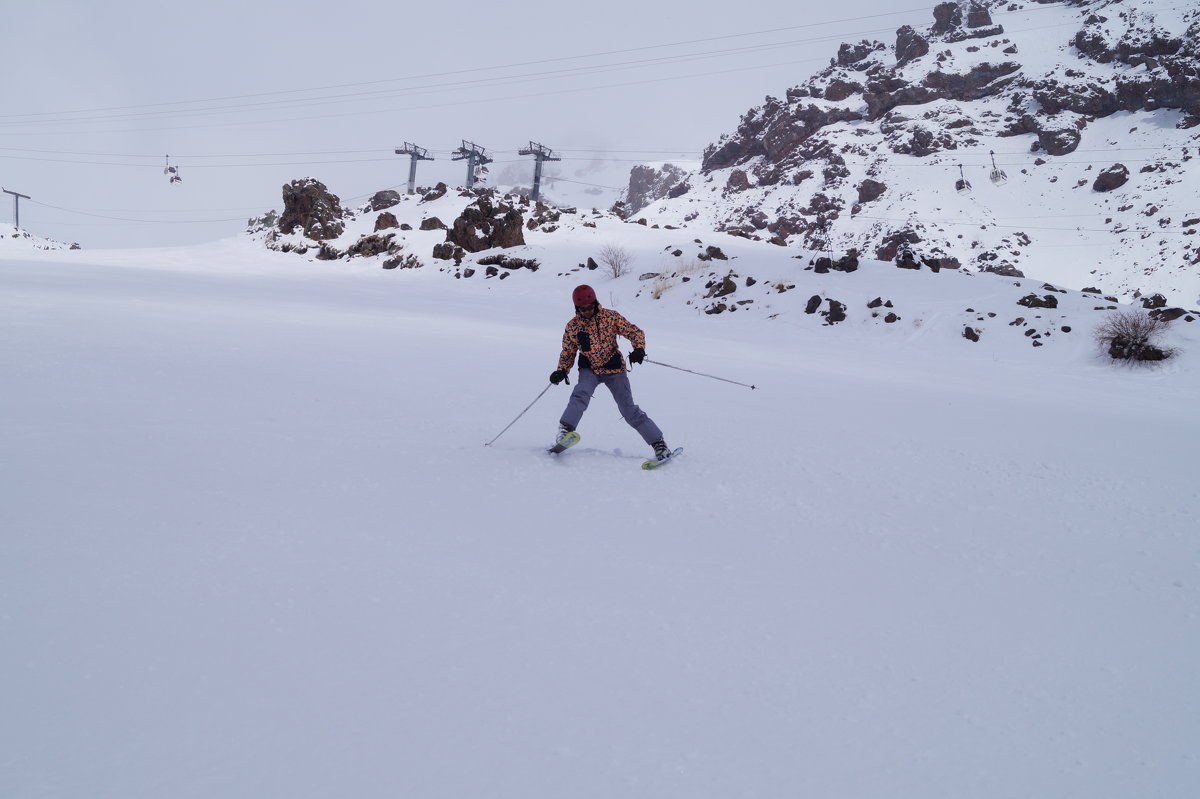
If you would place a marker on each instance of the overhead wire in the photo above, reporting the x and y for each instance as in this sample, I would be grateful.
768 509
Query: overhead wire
297 103
308 102
515 65
491 68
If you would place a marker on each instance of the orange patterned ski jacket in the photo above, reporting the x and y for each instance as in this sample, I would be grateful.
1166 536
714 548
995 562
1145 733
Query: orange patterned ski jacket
595 340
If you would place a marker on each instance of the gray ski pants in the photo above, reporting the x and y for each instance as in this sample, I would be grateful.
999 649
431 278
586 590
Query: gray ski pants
618 384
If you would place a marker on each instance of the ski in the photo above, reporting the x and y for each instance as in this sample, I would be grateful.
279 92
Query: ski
569 440
655 464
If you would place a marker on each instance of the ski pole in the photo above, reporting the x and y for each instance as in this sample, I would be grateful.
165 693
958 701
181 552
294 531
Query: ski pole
713 377
519 415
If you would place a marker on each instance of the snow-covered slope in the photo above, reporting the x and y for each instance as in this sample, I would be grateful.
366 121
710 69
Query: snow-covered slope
13 240
868 154
731 276
253 544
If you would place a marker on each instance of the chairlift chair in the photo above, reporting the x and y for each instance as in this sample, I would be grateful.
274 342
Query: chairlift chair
998 175
962 185
172 172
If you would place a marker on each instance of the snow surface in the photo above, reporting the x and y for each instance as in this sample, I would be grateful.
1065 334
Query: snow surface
253 545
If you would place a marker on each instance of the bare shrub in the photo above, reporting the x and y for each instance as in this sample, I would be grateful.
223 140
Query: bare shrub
661 286
1132 336
616 258
692 267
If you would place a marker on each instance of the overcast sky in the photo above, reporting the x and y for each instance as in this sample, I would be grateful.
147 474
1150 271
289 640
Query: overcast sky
246 96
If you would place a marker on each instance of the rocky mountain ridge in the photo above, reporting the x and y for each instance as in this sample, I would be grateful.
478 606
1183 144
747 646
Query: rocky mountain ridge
488 238
849 205
872 153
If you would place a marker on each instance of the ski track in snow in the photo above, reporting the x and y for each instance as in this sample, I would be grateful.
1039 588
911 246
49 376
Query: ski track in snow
254 546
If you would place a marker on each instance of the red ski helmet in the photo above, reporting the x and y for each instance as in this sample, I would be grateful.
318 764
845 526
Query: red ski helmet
583 295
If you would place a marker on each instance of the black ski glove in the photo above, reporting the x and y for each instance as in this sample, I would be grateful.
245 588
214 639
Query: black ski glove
637 356
558 375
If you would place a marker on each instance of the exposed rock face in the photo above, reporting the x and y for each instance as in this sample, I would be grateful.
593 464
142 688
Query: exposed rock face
946 17
375 244
1169 77
870 190
825 147
886 90
485 224
839 90
1114 177
1059 142
738 181
436 193
850 54
384 199
973 85
448 252
385 221
308 205
1034 301
895 243
647 184
978 16
910 45
777 137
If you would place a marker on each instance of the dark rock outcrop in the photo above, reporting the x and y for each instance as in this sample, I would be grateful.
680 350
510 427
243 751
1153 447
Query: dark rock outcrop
775 132
436 193
895 245
1034 301
1059 142
839 90
647 184
312 208
910 45
1112 178
870 190
976 84
887 91
946 17
850 54
382 200
375 244
448 252
836 312
485 224
978 16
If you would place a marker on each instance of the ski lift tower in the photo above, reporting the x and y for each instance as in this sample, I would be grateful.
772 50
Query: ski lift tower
16 206
475 157
542 154
415 154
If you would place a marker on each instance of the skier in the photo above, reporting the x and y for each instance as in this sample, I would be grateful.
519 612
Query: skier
593 332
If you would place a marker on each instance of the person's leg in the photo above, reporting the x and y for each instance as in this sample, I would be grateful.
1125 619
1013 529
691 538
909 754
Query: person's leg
618 384
585 386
